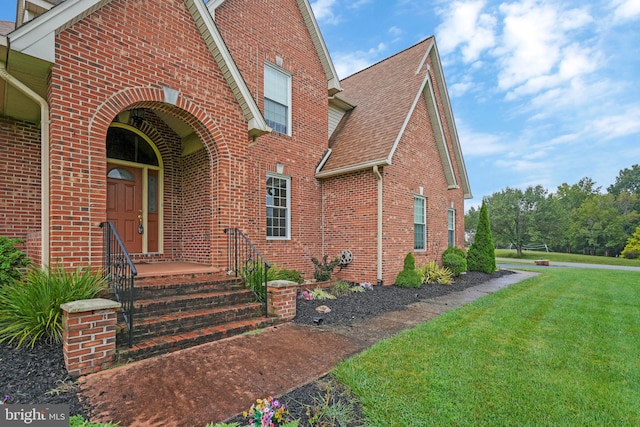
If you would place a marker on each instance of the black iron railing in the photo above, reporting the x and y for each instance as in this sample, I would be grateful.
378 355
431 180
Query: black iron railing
246 261
118 269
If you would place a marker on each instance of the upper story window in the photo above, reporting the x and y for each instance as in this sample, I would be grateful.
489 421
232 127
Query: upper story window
278 206
277 98
419 223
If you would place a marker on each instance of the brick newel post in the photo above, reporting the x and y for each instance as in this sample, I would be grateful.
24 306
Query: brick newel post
89 335
282 299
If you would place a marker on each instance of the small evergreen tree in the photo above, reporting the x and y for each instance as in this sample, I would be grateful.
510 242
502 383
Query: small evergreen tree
632 249
481 254
409 277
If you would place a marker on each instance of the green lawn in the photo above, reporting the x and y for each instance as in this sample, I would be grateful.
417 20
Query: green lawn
558 349
563 257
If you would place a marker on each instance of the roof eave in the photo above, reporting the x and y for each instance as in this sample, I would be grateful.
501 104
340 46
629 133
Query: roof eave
352 168
255 121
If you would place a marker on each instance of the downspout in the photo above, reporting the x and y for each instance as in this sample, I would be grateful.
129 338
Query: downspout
379 178
44 158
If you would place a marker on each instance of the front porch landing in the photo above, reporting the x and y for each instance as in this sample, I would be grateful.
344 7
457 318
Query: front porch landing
174 268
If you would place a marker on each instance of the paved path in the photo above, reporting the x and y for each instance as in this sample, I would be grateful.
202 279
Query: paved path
510 263
215 381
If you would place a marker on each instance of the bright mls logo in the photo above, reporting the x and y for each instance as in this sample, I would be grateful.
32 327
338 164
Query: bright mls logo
35 415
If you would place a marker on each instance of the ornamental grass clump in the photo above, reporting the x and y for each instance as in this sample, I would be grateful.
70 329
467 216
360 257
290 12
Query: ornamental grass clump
30 309
432 273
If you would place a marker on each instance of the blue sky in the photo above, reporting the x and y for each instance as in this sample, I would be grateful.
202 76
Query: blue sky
543 92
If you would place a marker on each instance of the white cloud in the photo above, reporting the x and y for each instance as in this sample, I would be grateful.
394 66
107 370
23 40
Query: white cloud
323 10
464 25
479 144
536 50
618 125
626 10
347 63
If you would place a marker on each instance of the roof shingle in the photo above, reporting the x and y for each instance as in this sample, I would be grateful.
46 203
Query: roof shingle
384 94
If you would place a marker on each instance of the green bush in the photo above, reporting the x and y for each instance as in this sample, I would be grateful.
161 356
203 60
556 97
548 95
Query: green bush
432 273
324 270
455 250
632 248
30 309
455 263
12 260
481 255
290 275
409 277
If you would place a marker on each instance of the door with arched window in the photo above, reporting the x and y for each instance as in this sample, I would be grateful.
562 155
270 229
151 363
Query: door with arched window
134 186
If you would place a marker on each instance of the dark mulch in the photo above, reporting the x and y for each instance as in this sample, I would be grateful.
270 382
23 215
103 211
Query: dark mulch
37 375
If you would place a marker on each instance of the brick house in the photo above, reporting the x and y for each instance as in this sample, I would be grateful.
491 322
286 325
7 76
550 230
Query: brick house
179 119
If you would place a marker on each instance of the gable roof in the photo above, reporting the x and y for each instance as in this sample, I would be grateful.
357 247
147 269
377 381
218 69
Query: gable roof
385 96
333 82
36 39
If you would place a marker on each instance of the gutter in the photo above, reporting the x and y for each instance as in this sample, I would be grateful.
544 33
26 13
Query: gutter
376 171
44 158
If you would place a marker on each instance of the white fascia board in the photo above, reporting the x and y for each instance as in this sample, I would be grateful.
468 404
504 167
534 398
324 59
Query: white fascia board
333 80
256 123
353 168
444 94
37 37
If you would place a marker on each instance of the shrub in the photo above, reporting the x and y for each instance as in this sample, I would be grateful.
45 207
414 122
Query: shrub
321 294
409 277
12 260
455 263
290 275
433 274
455 250
632 248
324 270
481 255
30 310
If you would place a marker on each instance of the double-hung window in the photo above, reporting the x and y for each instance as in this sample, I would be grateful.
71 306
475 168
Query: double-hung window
277 98
278 206
419 223
451 226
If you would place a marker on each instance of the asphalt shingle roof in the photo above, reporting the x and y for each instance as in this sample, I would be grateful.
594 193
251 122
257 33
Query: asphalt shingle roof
383 95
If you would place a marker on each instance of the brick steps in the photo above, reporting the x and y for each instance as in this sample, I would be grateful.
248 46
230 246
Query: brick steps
173 313
169 343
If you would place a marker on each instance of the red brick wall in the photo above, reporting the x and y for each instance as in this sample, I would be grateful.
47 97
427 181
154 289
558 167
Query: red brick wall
117 58
20 179
417 152
351 223
256 32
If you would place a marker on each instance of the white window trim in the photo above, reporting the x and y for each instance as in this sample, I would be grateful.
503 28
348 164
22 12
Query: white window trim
451 212
289 106
424 199
288 208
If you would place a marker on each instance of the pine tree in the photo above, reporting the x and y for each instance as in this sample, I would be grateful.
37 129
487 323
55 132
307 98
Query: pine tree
481 254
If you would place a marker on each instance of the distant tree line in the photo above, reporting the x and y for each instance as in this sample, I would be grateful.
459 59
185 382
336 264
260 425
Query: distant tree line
576 218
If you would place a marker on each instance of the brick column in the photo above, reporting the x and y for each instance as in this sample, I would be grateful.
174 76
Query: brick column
89 336
282 299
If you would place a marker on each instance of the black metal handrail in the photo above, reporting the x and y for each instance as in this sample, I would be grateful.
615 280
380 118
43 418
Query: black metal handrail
246 261
118 269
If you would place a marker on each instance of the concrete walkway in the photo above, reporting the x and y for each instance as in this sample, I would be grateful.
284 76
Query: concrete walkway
215 381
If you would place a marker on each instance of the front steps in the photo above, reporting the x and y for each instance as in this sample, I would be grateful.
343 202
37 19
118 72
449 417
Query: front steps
177 312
